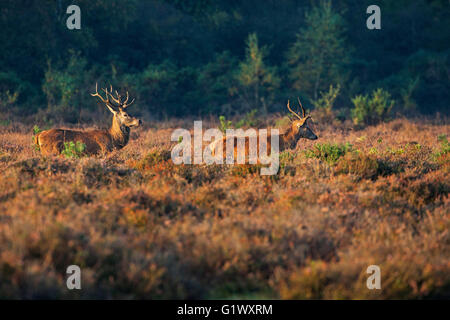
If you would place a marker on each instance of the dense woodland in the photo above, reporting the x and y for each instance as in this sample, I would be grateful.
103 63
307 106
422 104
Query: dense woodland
209 57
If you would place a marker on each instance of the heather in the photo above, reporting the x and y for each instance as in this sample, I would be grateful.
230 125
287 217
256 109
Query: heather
141 227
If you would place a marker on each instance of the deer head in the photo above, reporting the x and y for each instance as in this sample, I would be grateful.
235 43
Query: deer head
117 107
300 125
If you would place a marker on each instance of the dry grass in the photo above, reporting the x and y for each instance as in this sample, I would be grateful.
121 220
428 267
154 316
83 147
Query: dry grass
141 227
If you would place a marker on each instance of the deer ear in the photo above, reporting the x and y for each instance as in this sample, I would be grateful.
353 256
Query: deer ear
111 109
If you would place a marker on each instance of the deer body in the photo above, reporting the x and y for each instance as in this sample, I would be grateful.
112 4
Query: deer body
96 141
287 139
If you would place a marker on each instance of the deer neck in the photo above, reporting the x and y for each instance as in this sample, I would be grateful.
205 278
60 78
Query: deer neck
288 139
120 134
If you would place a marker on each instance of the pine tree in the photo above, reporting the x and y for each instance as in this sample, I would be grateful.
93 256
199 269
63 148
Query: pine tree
319 56
257 81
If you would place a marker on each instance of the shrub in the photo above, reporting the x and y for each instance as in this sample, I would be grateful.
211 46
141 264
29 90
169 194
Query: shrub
445 146
248 120
36 130
225 124
329 152
66 89
369 111
324 104
73 150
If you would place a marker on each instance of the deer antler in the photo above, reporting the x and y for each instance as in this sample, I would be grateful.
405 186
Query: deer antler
303 110
294 113
109 94
104 100
117 99
125 104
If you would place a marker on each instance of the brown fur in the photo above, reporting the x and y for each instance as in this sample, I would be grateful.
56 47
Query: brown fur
96 141
288 139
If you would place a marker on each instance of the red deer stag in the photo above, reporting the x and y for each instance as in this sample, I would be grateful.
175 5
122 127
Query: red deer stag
96 141
298 128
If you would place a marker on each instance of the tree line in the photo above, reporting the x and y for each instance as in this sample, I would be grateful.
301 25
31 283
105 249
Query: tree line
199 57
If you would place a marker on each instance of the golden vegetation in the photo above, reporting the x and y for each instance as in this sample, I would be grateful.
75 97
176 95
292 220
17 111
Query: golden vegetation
141 227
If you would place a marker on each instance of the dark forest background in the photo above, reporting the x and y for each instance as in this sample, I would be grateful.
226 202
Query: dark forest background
209 57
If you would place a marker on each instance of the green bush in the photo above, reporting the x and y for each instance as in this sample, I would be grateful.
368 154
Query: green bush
67 89
73 150
327 98
36 130
369 111
445 146
324 104
329 152
225 124
248 120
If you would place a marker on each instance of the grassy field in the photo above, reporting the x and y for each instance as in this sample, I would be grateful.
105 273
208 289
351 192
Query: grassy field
141 227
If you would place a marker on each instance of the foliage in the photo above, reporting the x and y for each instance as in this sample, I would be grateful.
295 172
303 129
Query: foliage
158 87
248 120
73 150
216 82
372 110
327 98
36 130
328 152
407 95
309 232
444 148
426 78
12 89
7 99
194 58
325 103
225 124
320 54
257 81
67 88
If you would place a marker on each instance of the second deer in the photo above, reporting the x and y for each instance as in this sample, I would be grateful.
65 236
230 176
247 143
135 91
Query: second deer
298 128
